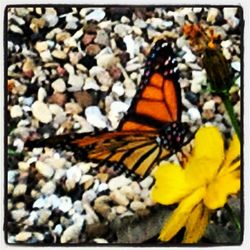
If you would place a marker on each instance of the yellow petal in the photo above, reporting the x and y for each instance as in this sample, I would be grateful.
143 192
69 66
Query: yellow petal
232 159
218 191
170 185
208 143
196 224
179 217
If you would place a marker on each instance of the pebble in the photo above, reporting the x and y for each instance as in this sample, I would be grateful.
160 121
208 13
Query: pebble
58 229
90 83
59 54
44 169
65 204
104 79
51 17
74 173
212 15
20 189
76 82
119 198
128 191
226 44
209 105
23 236
122 29
236 65
147 182
41 46
95 117
102 187
12 175
189 57
18 214
101 205
88 196
98 14
59 85
137 205
46 56
106 60
39 203
73 108
48 188
16 111
118 182
194 114
100 241
121 209
102 38
71 22
118 89
78 206
71 233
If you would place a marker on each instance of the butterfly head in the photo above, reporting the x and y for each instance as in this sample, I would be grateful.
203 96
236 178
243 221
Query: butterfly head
173 135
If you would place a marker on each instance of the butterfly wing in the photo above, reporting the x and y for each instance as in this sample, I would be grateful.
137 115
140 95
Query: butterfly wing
159 100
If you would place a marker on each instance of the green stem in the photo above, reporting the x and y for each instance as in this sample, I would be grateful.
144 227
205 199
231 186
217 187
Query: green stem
234 218
230 111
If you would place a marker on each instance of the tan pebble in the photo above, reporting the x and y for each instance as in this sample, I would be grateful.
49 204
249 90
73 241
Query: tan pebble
119 198
36 24
137 205
19 190
41 46
62 36
121 209
23 236
101 205
128 191
59 54
73 108
23 166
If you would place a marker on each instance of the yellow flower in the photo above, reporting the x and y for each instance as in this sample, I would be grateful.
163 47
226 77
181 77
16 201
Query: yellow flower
207 179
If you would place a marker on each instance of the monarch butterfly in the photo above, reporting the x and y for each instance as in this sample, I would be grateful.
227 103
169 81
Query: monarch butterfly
150 131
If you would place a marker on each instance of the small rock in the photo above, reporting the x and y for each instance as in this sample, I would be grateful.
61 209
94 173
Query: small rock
118 182
101 205
41 46
20 189
78 206
62 36
58 229
226 44
23 236
88 196
95 117
119 198
98 14
16 111
128 191
90 83
41 112
84 98
122 29
189 57
147 182
58 98
59 85
71 233
209 105
102 38
100 241
194 114
19 214
212 15
44 169
51 17
93 49
36 24
236 65
137 205
118 89
48 188
76 82
106 60
135 187
102 187
59 54
39 203
104 79
65 204
74 173
71 22
73 108
121 209
46 56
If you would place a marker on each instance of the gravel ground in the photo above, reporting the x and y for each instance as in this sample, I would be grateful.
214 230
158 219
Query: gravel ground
77 70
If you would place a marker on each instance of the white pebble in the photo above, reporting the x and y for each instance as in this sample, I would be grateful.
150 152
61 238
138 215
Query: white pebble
91 83
39 203
23 166
226 44
146 183
95 117
65 204
16 111
102 187
194 114
130 45
59 85
189 56
118 182
46 56
89 196
137 205
41 112
71 233
100 241
48 188
76 82
106 60
58 229
98 14
74 173
212 15
44 169
236 65
51 17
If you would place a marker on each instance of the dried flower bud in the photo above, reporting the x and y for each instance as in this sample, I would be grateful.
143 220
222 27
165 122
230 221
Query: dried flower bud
218 71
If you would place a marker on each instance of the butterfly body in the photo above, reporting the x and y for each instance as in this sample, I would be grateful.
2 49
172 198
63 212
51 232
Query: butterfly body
150 131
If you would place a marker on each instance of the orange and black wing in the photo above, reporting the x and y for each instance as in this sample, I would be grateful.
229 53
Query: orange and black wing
158 100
